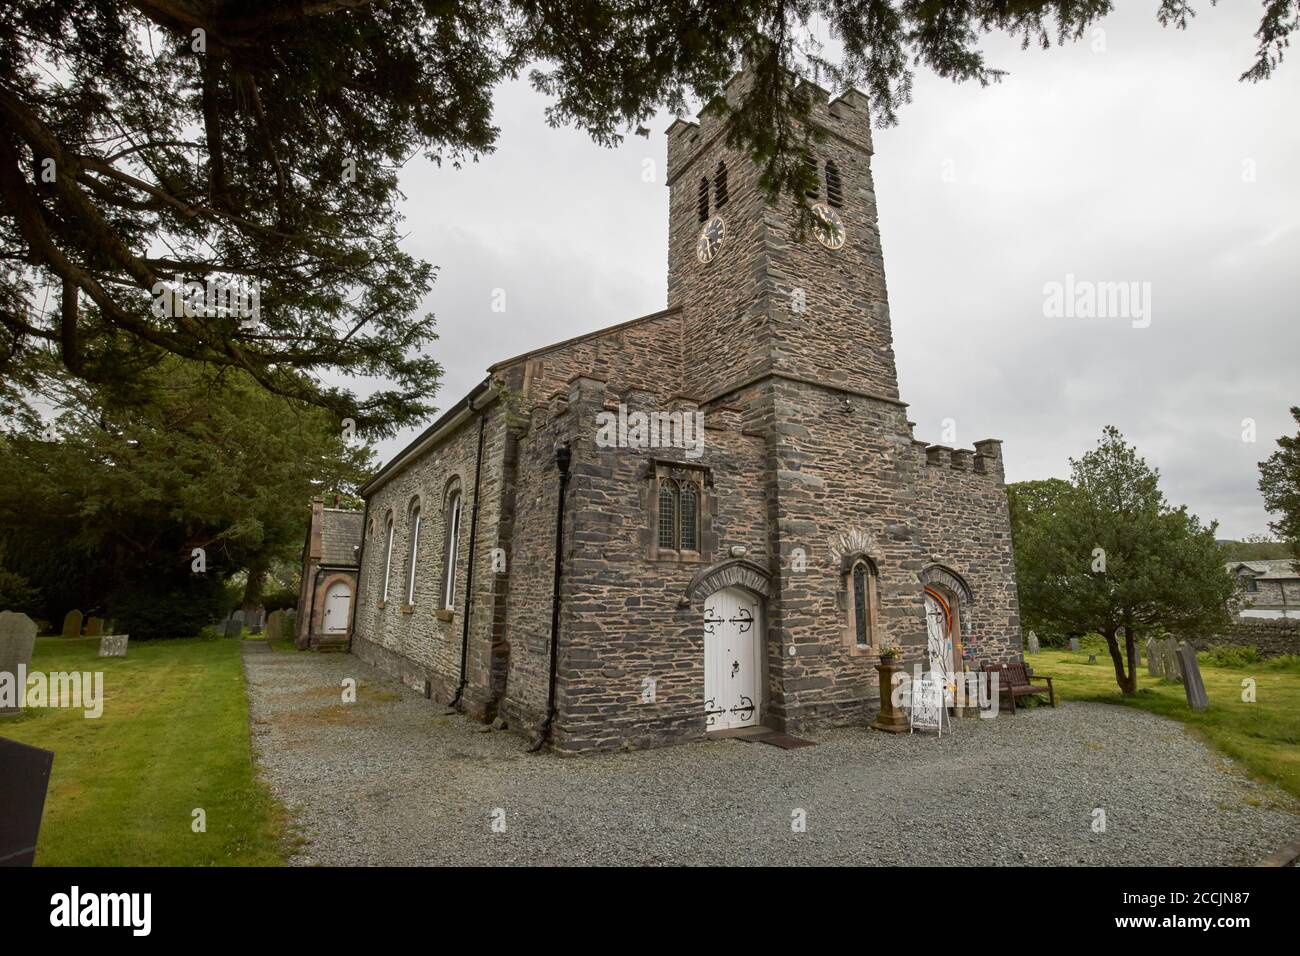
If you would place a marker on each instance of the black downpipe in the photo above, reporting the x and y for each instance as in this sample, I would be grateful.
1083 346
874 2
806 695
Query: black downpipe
562 458
361 558
469 567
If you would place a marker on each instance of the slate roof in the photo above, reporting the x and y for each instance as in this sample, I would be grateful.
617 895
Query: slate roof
1274 569
340 533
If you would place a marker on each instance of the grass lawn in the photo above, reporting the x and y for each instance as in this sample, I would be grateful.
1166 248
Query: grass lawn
1262 736
173 737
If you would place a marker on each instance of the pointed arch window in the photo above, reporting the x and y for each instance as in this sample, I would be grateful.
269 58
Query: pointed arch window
703 202
414 554
834 188
451 541
720 185
861 586
388 556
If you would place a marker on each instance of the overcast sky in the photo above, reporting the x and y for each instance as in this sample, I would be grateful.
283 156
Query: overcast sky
1131 156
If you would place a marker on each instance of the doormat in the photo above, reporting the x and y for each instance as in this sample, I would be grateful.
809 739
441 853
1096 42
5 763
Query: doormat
778 739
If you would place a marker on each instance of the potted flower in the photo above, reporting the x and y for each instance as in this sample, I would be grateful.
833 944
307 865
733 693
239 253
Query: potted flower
889 653
892 717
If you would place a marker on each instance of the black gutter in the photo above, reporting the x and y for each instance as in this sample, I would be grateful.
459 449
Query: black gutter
563 455
469 569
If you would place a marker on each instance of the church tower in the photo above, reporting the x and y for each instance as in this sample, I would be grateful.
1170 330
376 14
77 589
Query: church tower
757 300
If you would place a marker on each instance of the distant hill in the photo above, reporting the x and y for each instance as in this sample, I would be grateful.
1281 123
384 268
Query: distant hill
1253 550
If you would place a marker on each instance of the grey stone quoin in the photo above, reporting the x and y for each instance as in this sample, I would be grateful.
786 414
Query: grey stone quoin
809 463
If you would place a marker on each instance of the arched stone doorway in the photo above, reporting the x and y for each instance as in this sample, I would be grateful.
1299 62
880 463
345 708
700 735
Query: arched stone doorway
946 596
733 593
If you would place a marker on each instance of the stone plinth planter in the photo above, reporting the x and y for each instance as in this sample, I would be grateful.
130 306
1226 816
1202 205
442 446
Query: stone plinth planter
891 719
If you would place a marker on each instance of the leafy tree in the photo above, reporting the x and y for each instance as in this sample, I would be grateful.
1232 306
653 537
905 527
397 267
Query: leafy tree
143 142
1279 483
1255 547
112 512
1106 553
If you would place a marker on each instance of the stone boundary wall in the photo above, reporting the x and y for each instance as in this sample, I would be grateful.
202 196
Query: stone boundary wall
1272 637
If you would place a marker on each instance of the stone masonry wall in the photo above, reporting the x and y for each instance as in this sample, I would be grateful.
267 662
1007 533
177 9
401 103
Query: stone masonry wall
414 642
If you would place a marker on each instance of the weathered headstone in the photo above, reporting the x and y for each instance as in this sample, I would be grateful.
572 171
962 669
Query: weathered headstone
26 773
1092 658
235 624
1191 674
113 645
1031 643
94 626
17 638
72 623
1137 653
274 622
1074 643
1153 658
1171 668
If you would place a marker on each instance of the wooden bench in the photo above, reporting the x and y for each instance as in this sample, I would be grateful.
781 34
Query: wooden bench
1014 681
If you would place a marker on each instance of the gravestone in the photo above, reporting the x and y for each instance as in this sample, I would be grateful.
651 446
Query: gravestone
1153 658
72 623
235 624
274 621
1191 674
94 626
1074 643
17 638
113 645
1170 648
1137 653
1032 643
26 773
1092 658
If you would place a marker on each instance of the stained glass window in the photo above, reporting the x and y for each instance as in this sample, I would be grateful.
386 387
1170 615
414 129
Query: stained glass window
860 603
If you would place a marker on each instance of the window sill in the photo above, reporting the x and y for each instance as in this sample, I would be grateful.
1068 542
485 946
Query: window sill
444 614
381 605
676 557
408 608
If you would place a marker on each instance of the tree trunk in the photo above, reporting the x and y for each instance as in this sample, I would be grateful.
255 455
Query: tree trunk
1118 660
253 589
1130 640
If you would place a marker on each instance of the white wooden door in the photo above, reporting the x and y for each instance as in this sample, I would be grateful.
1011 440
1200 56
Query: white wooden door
338 604
733 680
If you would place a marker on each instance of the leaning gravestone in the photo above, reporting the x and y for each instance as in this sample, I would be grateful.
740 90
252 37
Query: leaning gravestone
1191 674
1032 643
113 645
1074 643
17 638
72 623
1153 658
94 626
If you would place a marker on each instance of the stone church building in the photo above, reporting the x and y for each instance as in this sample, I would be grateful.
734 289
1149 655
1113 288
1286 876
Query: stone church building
746 574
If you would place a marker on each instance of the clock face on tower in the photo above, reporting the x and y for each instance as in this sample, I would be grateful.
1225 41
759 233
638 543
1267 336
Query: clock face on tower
828 227
710 241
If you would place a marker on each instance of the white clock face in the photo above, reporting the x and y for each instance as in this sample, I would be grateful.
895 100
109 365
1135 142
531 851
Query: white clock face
828 227
710 241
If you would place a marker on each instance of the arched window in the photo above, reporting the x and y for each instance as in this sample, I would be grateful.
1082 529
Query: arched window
834 191
451 541
388 556
679 515
860 583
720 185
414 555
704 199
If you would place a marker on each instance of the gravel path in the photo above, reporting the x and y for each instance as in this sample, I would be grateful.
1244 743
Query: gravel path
392 780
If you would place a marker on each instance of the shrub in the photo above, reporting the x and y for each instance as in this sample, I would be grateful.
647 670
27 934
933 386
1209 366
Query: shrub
153 610
1233 655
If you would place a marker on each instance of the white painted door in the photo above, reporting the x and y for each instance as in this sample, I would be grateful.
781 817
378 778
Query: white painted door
733 680
938 626
338 603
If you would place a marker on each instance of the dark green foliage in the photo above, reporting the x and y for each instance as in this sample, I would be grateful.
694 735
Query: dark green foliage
234 140
157 608
1233 655
1279 483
